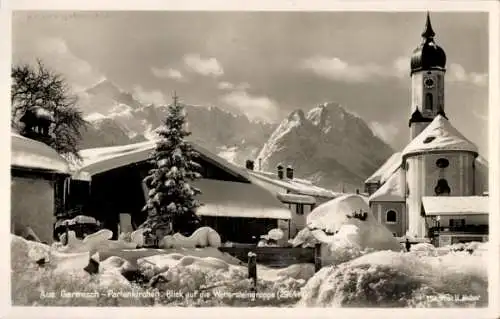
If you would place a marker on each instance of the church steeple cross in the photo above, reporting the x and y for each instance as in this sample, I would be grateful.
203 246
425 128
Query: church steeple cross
428 32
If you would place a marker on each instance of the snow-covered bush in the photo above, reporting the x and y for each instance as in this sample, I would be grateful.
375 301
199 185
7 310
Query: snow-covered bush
392 279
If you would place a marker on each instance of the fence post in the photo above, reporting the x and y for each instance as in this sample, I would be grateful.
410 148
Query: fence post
317 257
252 268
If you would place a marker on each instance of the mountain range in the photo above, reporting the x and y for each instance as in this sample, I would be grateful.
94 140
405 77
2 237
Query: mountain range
328 144
117 118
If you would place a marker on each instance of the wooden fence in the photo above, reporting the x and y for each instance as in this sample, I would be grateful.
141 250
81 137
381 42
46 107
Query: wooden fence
276 256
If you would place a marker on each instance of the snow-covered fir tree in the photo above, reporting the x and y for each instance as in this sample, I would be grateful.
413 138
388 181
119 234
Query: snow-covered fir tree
171 203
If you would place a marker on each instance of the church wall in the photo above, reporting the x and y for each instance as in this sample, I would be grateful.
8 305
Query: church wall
459 173
415 168
480 179
422 175
379 211
417 128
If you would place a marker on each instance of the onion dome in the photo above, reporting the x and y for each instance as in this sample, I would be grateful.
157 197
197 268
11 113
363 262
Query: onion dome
428 55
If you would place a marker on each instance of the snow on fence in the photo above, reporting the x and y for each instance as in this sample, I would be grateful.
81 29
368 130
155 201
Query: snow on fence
276 256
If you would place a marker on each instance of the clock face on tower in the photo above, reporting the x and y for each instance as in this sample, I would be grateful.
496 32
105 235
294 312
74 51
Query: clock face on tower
429 83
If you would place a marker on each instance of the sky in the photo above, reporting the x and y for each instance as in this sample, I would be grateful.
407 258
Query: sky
267 64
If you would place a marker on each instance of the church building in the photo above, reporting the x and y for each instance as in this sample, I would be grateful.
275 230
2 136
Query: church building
436 187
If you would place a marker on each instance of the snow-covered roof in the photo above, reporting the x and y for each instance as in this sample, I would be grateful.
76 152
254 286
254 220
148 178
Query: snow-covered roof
455 205
296 185
98 160
438 136
331 215
386 170
28 153
392 190
234 199
296 199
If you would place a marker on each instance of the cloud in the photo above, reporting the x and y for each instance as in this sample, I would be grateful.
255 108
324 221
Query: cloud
167 73
387 132
254 107
401 67
55 53
457 73
150 97
334 68
224 85
206 67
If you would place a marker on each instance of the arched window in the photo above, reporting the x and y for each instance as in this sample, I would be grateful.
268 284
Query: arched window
390 217
428 101
442 188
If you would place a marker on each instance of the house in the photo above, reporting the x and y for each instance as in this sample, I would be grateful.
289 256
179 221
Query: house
108 185
436 187
300 195
39 178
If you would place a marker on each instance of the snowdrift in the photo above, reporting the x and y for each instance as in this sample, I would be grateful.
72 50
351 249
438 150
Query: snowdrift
202 237
208 281
346 229
392 279
62 282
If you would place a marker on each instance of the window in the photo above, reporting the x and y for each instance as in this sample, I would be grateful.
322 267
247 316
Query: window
429 139
300 209
390 217
428 101
442 188
457 223
442 163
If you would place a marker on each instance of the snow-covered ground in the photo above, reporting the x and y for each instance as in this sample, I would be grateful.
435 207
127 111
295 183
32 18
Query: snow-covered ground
424 277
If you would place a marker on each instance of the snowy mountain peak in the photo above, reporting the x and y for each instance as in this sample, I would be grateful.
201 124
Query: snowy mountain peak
296 116
329 145
104 86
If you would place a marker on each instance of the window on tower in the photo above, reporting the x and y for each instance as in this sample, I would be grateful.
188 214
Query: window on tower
428 101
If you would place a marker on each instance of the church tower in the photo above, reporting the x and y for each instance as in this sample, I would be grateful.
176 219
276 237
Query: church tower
428 64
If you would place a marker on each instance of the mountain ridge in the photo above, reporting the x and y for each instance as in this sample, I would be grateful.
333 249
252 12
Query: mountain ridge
328 144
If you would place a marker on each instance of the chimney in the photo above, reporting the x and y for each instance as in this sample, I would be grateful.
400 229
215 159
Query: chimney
289 172
280 171
250 165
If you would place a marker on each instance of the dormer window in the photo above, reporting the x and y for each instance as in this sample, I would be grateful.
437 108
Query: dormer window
429 139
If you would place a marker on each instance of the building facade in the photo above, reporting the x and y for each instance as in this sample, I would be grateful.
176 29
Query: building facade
301 196
108 185
438 162
39 180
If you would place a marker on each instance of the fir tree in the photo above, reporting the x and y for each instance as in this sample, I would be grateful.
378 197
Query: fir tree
171 203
